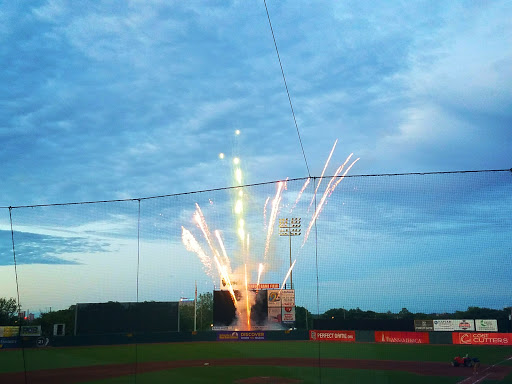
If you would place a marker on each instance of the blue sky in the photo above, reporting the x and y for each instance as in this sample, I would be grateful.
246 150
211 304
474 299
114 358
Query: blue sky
116 100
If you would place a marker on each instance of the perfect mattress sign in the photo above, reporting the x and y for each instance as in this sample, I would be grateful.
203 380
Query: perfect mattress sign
339 336
478 338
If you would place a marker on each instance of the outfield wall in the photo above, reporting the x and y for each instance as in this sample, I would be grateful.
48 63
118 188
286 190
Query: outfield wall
348 336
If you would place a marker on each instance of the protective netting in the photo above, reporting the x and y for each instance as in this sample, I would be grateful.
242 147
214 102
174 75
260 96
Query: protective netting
431 243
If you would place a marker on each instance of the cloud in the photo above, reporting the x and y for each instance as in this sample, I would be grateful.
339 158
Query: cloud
33 248
456 107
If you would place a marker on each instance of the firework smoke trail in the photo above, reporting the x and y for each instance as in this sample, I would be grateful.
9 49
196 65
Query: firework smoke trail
224 253
300 194
273 215
322 175
260 271
192 245
287 275
328 191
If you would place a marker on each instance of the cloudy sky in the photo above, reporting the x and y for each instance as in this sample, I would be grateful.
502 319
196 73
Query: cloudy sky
116 100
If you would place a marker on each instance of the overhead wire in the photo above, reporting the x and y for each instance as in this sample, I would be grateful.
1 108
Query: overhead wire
254 185
286 86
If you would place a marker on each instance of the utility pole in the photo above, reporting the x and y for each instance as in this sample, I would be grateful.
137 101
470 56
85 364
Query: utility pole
195 310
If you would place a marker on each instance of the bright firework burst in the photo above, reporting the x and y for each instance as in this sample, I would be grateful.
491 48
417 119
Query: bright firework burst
221 259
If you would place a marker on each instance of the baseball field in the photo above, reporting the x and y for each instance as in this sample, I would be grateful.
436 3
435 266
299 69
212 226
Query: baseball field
254 362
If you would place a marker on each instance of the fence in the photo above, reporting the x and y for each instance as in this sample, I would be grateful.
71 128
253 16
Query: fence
431 243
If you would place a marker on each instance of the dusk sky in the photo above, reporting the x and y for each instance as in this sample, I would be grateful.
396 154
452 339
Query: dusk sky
104 100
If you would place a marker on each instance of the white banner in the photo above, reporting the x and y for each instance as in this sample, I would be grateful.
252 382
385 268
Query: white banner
486 325
288 314
443 325
450 325
464 325
274 314
274 300
288 297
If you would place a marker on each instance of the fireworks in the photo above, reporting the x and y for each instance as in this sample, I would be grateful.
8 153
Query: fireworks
221 258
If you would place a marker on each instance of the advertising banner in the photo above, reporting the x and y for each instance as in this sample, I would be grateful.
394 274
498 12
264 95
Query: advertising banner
30 330
273 298
288 297
486 325
443 325
274 314
227 336
478 338
338 336
263 286
9 342
424 325
448 325
240 335
401 337
288 314
252 335
464 325
9 331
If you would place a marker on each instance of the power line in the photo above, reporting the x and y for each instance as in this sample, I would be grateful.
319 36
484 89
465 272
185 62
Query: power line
286 86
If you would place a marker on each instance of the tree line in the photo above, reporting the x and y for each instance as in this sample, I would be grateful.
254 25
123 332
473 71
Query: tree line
204 315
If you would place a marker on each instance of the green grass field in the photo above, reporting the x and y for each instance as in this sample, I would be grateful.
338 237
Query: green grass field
54 358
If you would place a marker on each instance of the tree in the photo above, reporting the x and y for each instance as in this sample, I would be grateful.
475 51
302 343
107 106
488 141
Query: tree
8 311
204 311
64 316
405 314
186 317
303 318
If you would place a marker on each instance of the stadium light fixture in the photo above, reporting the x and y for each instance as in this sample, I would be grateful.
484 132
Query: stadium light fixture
290 227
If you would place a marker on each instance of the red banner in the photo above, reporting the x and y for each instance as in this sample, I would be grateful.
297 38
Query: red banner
339 336
263 286
401 337
477 338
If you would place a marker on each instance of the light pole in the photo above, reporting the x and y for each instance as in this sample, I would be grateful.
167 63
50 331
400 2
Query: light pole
290 227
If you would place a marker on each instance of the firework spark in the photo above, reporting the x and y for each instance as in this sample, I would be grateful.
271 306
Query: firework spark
221 243
328 191
273 215
323 172
287 276
260 271
192 245
300 193
222 260
248 307
265 212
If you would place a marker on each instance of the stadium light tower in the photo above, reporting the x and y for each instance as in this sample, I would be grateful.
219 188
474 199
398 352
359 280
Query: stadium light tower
290 227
